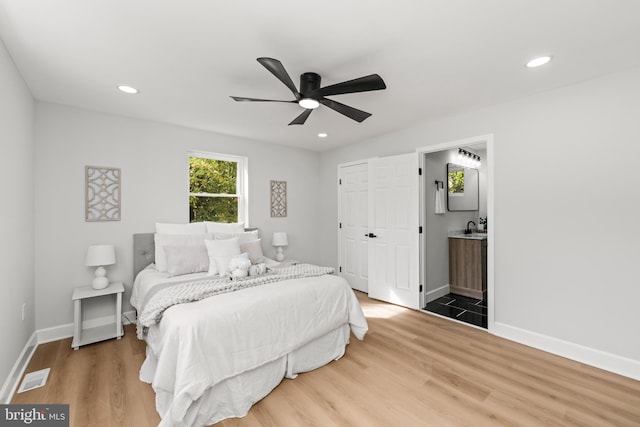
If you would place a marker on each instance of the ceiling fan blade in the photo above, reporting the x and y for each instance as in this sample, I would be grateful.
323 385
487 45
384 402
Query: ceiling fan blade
301 118
352 113
361 84
277 69
243 99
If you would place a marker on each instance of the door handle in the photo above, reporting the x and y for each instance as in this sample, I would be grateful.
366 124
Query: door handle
370 235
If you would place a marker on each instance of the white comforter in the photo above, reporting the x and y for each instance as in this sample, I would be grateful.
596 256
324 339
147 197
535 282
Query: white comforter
198 345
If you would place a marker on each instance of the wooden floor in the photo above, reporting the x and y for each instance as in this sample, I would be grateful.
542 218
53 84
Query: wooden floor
412 369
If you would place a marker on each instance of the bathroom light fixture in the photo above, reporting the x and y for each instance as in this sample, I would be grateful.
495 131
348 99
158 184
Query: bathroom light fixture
467 159
537 62
322 135
308 103
128 89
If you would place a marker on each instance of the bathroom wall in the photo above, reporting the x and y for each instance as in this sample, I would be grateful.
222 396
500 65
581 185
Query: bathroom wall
483 181
437 227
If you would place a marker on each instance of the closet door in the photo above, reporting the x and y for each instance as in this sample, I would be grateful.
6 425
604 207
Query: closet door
393 230
353 224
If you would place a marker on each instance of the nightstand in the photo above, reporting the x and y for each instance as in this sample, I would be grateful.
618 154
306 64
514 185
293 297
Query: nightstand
99 333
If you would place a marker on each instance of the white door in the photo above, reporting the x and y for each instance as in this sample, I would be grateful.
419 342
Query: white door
393 228
353 221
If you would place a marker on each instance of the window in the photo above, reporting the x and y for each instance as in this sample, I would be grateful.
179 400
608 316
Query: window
217 188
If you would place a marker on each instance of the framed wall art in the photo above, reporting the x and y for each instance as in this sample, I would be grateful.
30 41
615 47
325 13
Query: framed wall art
278 198
102 194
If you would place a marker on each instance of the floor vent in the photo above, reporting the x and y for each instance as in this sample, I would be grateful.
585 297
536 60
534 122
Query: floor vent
34 380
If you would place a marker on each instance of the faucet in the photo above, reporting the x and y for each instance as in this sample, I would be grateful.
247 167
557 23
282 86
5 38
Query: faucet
469 230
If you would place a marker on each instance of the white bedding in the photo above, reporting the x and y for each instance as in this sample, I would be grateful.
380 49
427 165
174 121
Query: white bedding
200 352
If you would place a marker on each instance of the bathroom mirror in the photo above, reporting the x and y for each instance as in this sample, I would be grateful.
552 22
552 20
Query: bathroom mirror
462 188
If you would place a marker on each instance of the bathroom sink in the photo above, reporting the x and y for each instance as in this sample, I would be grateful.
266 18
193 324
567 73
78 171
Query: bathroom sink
479 236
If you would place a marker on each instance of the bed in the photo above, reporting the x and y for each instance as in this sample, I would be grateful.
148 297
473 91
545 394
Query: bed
214 357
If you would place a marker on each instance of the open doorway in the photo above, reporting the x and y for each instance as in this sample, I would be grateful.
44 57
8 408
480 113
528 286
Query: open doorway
456 210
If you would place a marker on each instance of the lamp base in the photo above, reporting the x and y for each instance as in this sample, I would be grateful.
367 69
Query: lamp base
100 281
279 254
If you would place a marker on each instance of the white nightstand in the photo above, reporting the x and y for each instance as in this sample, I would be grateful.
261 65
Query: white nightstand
99 333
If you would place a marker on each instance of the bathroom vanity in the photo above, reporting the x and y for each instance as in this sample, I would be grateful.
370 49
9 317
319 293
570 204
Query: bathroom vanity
468 265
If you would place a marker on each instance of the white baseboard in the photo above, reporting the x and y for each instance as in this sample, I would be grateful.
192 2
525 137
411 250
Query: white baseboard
66 331
600 359
437 293
55 333
11 383
42 336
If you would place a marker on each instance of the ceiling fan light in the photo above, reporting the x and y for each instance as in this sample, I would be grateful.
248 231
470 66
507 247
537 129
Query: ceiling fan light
308 103
128 89
537 62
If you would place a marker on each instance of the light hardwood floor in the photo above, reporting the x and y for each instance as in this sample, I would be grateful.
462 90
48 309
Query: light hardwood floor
412 369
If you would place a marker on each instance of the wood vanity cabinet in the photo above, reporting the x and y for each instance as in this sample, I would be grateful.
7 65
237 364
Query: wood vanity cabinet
468 267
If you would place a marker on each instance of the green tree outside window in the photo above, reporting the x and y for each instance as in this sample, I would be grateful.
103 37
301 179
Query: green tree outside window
456 182
213 190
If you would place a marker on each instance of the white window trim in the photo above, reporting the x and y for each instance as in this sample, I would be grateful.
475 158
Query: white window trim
242 186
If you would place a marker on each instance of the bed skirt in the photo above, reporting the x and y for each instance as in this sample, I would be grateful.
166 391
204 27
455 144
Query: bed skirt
233 397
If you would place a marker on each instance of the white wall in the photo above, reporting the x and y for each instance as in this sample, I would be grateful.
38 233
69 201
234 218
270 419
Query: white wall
566 249
153 159
16 227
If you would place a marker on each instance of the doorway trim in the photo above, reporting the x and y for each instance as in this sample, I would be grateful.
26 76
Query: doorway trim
488 140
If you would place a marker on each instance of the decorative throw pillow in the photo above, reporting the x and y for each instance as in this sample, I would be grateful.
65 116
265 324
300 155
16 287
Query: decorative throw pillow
257 269
220 253
186 259
162 240
254 249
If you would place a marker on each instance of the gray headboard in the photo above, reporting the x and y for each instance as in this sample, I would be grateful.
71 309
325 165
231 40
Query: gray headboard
144 250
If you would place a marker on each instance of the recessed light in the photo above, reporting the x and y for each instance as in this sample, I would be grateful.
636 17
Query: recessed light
322 135
536 62
127 89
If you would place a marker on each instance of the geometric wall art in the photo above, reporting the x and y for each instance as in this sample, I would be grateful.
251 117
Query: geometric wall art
278 198
102 194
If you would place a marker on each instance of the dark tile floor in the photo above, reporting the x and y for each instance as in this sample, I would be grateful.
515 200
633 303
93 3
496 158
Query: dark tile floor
461 308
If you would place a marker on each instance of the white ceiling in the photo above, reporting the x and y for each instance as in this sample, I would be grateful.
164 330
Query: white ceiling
437 57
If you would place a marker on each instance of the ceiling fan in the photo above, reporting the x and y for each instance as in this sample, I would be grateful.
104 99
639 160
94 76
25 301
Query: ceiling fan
311 95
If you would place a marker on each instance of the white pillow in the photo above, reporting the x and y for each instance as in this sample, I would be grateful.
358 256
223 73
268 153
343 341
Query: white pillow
220 253
162 240
192 228
224 227
254 249
243 237
186 259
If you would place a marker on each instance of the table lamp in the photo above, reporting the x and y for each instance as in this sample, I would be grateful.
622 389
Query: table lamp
99 256
278 241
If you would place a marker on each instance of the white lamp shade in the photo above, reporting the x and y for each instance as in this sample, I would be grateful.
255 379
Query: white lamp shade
99 255
279 239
